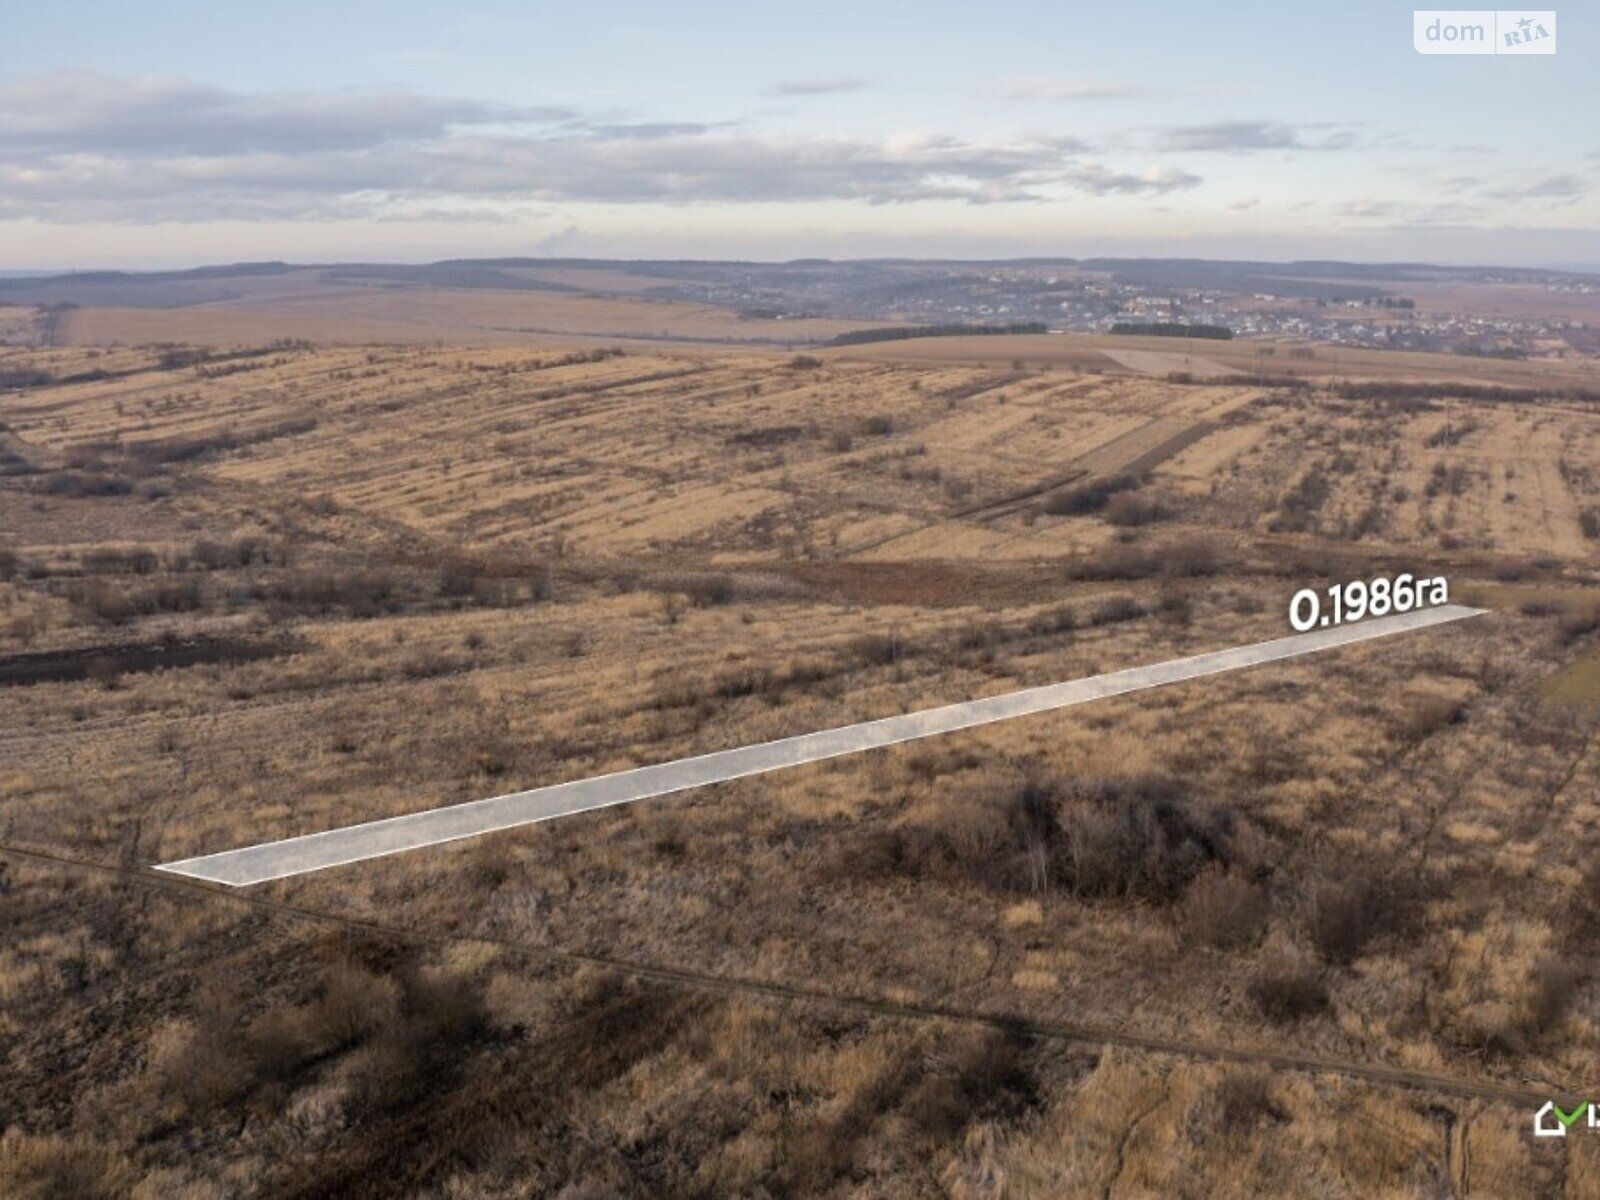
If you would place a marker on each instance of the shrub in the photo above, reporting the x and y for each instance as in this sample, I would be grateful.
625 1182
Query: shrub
1089 497
1297 513
1175 608
361 593
1287 989
24 377
240 552
355 1004
41 1167
1173 560
878 426
1244 1101
1115 609
1133 508
117 606
1136 839
79 484
706 591
438 1016
1554 984
1342 915
1425 716
1579 624
200 1065
1224 910
140 560
1055 620
877 649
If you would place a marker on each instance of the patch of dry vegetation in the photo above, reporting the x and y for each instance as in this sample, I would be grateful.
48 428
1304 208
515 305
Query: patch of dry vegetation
354 581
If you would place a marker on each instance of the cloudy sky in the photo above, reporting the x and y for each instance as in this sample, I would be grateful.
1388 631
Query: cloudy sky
179 133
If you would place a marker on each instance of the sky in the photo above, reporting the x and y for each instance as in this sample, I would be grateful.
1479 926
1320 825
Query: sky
181 133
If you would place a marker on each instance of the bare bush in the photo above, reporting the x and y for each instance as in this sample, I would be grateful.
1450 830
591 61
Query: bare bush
1089 497
1224 910
1287 988
1425 716
1343 914
1134 508
1115 609
1135 838
42 1167
355 1004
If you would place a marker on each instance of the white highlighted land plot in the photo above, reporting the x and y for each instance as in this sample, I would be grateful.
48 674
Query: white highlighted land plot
374 839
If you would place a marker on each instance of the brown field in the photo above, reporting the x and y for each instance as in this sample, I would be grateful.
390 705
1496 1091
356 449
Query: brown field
1089 352
1321 928
334 315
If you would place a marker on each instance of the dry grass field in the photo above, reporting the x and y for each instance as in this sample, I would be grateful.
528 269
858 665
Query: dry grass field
1319 928
332 314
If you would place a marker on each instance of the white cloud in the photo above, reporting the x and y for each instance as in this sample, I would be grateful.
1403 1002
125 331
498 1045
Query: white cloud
1238 137
1067 88
815 87
94 148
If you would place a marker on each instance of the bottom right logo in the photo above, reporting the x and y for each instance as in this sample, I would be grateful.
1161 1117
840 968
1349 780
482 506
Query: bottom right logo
1552 1121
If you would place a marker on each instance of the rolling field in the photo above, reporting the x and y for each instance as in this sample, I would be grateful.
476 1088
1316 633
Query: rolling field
353 314
1324 926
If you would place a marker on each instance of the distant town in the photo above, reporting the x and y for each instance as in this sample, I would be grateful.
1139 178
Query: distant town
1494 312
1100 296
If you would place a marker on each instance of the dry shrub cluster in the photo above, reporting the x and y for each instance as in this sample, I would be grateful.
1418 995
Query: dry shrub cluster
1342 913
111 604
1091 497
1135 508
1102 839
407 1024
1425 716
1192 558
1297 511
1507 986
1140 838
42 1167
1225 909
78 485
909 1105
1288 987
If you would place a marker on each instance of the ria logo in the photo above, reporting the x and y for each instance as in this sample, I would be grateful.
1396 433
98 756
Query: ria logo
1526 31
1551 1121
1483 31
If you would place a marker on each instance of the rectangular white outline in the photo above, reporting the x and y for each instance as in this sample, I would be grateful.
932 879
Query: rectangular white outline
281 859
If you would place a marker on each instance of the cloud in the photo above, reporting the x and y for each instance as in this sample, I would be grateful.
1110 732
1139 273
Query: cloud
1242 205
1367 209
815 87
1097 180
1061 88
83 112
1050 88
1551 187
1238 137
177 151
1557 190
